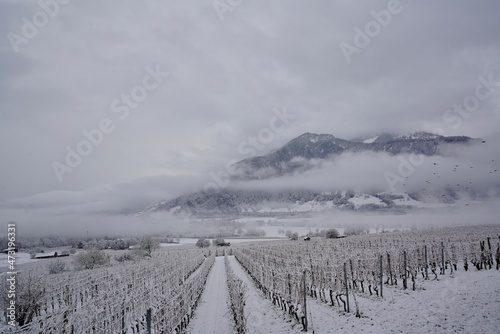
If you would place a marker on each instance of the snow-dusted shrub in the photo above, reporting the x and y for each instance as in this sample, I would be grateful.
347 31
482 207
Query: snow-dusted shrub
56 267
203 243
124 257
91 259
332 234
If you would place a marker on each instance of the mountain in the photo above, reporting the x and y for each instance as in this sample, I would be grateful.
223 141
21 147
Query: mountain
229 202
295 157
239 202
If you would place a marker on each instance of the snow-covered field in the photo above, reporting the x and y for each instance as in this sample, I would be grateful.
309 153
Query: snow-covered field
21 258
467 302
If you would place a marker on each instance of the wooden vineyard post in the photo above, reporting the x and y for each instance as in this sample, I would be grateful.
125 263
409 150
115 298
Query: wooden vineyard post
289 286
381 278
123 319
425 263
148 321
390 270
262 277
490 253
346 286
305 303
498 255
442 258
405 282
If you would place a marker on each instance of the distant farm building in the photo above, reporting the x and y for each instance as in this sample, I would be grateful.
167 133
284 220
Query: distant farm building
49 255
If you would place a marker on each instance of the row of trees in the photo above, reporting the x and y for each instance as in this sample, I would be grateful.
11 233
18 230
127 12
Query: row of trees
96 258
38 244
329 234
203 243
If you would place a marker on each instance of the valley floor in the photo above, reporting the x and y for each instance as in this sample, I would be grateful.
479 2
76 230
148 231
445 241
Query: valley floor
467 302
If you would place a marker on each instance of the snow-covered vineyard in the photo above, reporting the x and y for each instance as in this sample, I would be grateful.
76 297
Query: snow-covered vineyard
440 280
155 294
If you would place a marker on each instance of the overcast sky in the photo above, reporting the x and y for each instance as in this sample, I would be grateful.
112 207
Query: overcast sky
231 70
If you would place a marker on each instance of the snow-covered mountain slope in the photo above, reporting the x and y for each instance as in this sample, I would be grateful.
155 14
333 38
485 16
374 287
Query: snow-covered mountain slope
295 156
239 202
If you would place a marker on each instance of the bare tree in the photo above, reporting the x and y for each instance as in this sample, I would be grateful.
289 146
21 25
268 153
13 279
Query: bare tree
149 245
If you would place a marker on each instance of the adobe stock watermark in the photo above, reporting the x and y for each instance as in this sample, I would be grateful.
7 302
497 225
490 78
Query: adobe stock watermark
221 7
30 27
121 107
249 148
373 28
487 85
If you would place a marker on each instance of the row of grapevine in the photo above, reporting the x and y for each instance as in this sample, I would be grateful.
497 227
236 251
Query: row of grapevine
237 290
285 290
154 294
330 269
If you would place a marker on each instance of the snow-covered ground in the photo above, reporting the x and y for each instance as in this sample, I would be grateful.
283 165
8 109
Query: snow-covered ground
370 140
468 302
363 199
21 258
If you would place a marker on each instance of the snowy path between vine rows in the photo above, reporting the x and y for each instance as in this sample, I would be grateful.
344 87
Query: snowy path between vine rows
213 316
